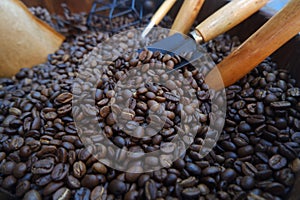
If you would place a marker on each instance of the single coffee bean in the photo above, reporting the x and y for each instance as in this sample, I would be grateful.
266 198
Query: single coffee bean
228 175
32 195
9 182
245 151
20 170
117 187
73 182
62 194
44 166
43 180
82 194
160 175
189 182
98 193
60 171
22 188
210 171
193 169
131 195
275 188
150 190
247 182
8 168
79 169
52 187
133 174
64 98
191 193
99 168
277 162
89 181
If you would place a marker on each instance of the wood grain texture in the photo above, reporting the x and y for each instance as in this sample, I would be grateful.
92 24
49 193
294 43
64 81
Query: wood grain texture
272 35
227 17
186 16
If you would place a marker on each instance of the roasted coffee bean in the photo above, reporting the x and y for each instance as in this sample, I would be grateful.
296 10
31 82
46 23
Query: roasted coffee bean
60 171
20 170
280 104
170 179
73 182
32 195
210 171
9 182
275 188
133 174
98 193
285 176
44 166
150 190
193 169
52 187
99 168
277 162
245 151
89 181
117 187
22 188
64 98
244 127
172 97
63 193
79 169
255 119
160 175
131 195
287 152
8 168
43 180
82 194
228 175
191 193
247 182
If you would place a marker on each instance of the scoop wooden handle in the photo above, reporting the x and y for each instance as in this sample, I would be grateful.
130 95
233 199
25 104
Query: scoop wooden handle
162 11
186 16
273 34
227 17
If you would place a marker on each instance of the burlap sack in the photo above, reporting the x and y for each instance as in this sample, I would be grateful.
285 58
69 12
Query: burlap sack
25 40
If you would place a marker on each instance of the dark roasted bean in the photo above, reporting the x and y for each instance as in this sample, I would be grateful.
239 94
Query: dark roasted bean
277 162
79 169
63 193
60 171
32 195
117 187
42 166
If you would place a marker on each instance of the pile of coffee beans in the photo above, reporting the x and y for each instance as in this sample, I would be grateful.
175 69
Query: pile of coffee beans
42 156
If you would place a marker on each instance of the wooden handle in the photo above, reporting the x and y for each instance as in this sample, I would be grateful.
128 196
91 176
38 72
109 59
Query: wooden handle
162 11
272 35
227 17
186 16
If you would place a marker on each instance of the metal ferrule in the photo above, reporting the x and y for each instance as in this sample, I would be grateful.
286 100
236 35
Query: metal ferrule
197 37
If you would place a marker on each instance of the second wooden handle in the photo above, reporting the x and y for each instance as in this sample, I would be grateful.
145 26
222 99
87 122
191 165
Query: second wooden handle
272 35
162 11
227 17
186 16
